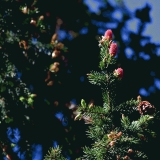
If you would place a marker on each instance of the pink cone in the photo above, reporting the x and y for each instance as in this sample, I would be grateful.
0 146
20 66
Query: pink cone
113 49
118 73
108 35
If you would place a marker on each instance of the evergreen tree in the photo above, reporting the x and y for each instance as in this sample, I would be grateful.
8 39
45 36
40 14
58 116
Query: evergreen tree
32 63
119 131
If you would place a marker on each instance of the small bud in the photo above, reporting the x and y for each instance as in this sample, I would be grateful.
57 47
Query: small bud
54 68
22 99
25 10
33 22
55 53
8 157
30 101
78 116
33 95
50 83
113 133
123 116
91 104
83 103
112 143
56 64
119 135
4 148
139 99
126 158
41 17
130 151
54 38
110 136
118 157
101 42
13 145
23 44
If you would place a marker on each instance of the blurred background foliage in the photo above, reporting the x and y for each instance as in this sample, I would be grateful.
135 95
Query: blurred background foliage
29 129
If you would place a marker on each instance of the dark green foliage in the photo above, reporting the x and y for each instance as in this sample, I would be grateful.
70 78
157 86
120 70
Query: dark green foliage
118 130
15 95
54 154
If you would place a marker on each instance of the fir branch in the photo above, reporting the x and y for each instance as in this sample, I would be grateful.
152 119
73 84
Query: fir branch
140 124
97 78
92 111
141 155
54 154
125 122
95 153
129 140
127 107
108 93
104 50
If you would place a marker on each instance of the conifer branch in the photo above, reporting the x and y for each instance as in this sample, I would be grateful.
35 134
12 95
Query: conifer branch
118 131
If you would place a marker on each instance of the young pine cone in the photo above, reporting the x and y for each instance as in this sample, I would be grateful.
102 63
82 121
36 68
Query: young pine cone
54 38
55 53
145 107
